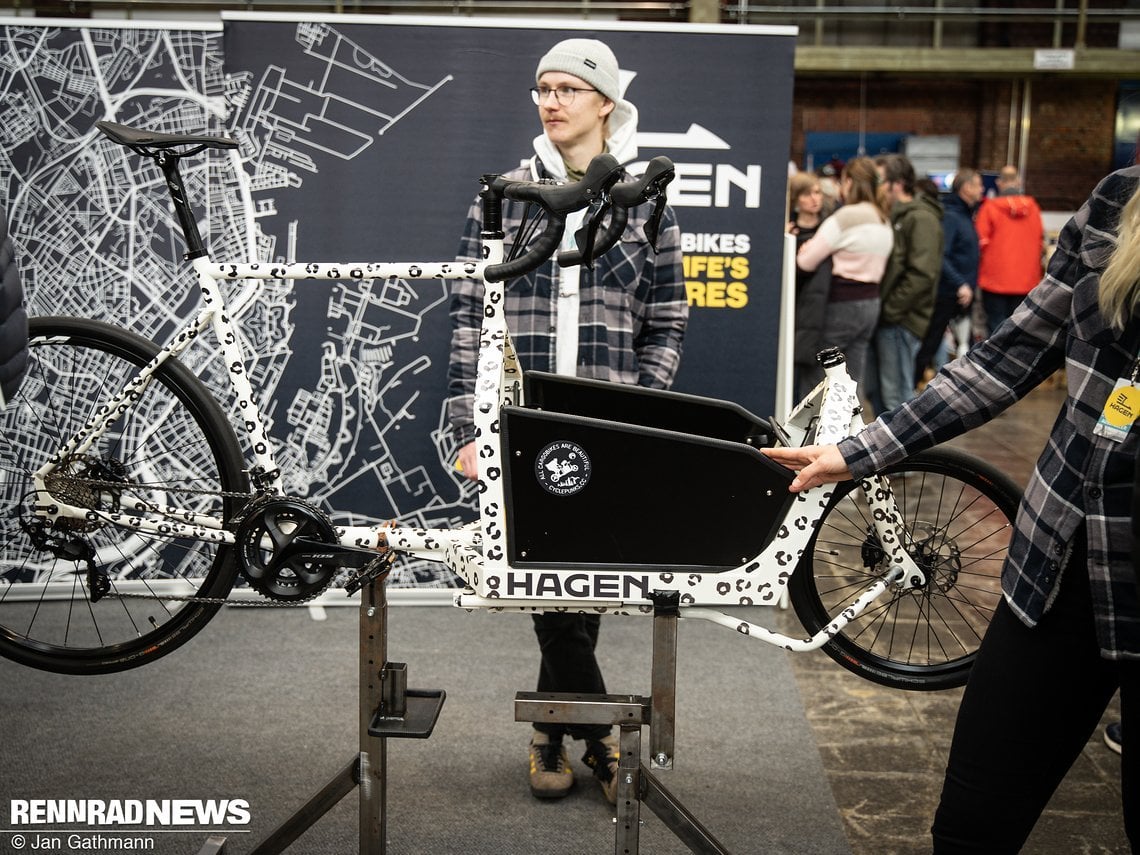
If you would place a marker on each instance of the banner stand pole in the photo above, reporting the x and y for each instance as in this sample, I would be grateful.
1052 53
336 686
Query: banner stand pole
388 709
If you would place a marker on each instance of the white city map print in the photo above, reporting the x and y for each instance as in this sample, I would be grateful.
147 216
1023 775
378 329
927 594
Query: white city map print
98 238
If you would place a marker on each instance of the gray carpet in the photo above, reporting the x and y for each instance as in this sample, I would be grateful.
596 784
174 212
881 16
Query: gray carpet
262 706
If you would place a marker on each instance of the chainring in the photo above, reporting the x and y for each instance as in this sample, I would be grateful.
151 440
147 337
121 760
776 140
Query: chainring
270 557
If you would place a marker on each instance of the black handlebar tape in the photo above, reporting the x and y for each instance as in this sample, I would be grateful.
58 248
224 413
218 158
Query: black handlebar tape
561 199
540 251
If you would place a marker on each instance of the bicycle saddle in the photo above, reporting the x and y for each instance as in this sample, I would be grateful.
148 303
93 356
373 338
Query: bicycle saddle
135 137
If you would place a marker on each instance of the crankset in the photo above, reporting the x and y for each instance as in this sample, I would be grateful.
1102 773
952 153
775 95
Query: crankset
288 550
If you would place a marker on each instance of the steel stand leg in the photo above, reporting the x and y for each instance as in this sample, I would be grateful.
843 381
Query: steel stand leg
636 784
373 749
387 709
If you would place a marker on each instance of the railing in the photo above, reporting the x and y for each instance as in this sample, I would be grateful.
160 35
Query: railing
1039 24
934 23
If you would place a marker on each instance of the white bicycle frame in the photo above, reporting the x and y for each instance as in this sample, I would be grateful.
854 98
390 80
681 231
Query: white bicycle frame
477 552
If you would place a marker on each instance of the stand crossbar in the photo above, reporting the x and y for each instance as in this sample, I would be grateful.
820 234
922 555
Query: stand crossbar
636 784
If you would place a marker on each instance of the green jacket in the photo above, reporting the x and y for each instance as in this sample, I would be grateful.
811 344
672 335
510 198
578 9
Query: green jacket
910 282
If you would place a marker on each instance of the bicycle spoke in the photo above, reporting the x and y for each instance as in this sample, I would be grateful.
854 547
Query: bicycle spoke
956 527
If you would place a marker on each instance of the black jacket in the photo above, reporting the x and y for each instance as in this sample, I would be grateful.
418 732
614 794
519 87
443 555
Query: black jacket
13 318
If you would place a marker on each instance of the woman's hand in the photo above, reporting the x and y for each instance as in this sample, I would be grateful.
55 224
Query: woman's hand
815 464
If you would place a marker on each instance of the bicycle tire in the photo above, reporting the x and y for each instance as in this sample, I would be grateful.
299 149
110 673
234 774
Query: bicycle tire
958 512
173 446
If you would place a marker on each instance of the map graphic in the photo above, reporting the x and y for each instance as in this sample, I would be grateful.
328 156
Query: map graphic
98 238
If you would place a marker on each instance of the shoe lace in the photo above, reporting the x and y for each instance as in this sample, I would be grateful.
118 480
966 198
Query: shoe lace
550 757
601 759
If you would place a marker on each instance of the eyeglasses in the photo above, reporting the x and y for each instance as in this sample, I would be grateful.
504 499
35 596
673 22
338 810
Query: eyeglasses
563 94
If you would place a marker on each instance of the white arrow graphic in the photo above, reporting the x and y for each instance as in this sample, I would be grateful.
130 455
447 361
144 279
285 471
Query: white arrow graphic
695 137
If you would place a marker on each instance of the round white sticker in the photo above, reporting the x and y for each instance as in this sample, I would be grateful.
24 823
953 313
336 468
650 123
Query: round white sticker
563 468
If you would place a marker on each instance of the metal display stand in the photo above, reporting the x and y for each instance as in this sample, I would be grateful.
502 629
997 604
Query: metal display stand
636 783
388 709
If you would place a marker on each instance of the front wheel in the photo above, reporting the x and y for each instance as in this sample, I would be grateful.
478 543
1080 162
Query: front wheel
85 596
957 513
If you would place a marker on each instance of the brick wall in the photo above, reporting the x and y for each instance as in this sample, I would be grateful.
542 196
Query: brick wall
1071 124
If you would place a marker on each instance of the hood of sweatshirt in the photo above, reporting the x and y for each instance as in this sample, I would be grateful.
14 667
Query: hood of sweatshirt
1014 206
918 202
621 141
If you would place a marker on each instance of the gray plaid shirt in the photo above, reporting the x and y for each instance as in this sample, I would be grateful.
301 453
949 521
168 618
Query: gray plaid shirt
632 315
1079 477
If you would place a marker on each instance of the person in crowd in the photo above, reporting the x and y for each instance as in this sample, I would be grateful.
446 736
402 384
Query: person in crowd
908 286
805 206
959 277
857 240
1066 635
622 320
1011 243
806 213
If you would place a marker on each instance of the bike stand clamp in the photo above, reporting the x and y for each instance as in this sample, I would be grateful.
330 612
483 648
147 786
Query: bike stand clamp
388 709
636 783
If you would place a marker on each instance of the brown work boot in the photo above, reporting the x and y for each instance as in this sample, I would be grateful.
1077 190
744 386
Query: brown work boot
550 774
603 757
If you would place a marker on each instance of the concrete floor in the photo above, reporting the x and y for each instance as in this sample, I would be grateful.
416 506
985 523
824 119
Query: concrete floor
884 750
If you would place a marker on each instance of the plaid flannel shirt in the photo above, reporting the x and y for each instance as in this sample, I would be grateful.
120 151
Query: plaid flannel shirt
1080 478
632 315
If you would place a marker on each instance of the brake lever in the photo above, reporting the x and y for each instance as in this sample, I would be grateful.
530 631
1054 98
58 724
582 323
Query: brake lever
585 239
653 224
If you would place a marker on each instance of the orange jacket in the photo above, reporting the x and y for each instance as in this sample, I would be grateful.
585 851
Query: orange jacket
1010 237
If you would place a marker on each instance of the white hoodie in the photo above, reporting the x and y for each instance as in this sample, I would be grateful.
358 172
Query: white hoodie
621 142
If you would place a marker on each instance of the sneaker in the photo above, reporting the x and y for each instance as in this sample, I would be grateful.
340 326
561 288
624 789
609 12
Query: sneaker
1113 737
550 774
603 758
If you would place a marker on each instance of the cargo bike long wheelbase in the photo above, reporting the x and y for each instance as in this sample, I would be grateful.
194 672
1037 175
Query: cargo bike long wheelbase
118 546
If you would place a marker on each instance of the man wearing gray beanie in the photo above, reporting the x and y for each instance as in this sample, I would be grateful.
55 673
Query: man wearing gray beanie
623 320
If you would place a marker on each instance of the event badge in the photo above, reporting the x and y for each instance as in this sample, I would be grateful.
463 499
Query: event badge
1121 408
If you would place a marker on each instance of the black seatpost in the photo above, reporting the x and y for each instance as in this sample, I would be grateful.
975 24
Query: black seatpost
168 163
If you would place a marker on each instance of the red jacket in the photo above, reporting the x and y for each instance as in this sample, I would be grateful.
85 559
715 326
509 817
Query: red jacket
1010 241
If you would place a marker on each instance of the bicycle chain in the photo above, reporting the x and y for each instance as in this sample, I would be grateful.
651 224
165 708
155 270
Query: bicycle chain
176 598
211 601
166 489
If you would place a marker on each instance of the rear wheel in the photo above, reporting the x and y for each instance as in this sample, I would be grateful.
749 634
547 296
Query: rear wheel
958 515
88 596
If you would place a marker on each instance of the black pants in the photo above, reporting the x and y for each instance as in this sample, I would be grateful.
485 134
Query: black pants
567 642
1033 699
946 309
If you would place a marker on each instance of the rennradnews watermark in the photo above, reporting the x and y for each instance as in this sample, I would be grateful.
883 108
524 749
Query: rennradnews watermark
66 826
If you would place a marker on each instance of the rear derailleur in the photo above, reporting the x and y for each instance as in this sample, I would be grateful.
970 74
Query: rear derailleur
68 548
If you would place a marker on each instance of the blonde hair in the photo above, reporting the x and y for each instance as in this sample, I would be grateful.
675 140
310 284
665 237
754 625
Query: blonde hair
1119 289
798 184
867 186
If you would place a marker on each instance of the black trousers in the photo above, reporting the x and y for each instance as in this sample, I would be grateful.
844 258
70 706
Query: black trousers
567 643
1033 699
946 309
